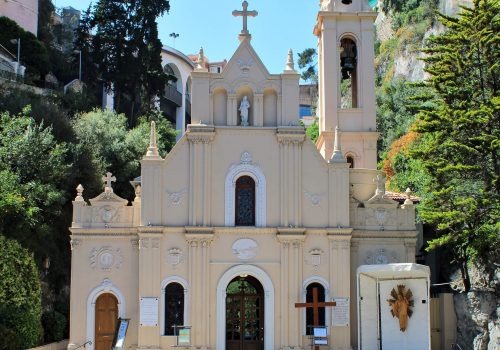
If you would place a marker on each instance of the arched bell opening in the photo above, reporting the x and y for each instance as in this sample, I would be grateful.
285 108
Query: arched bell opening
349 73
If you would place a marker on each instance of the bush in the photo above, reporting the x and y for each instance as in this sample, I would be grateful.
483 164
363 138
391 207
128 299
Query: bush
20 296
54 326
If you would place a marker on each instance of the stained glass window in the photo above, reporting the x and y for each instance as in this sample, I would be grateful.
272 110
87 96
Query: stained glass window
245 201
174 307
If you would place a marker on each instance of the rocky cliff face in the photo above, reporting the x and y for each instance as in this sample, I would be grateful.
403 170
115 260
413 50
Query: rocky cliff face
478 311
406 61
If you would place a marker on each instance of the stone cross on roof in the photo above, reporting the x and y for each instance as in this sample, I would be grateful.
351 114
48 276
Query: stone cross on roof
108 179
245 13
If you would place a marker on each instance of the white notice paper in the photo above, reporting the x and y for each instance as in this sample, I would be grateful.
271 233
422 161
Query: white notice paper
340 312
149 312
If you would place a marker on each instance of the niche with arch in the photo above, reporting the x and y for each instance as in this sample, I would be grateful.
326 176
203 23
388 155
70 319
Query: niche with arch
220 106
245 91
348 73
270 107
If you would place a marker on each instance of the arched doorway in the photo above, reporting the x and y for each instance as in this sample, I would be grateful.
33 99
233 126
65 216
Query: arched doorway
244 314
106 316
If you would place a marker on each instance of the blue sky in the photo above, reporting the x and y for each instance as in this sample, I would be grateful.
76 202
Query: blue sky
280 25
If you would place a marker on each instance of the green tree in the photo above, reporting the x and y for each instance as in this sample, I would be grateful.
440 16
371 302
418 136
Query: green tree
460 150
20 297
307 62
126 45
113 147
34 178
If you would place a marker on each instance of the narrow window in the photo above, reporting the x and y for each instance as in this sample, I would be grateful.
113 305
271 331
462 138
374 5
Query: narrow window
348 70
245 201
310 311
350 160
174 307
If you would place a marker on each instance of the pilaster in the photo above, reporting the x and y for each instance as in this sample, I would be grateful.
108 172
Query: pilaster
338 194
200 174
290 142
259 109
199 240
291 272
232 110
340 275
149 280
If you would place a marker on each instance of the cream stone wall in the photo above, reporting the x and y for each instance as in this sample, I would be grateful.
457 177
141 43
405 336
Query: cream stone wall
316 219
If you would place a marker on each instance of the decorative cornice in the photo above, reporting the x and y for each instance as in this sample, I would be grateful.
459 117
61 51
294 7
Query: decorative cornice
198 230
200 133
339 230
110 231
290 134
358 234
291 231
150 230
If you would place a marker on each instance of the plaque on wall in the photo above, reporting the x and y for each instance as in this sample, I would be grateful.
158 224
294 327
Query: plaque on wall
149 312
340 312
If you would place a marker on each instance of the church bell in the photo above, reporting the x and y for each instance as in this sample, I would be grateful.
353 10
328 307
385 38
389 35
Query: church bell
348 58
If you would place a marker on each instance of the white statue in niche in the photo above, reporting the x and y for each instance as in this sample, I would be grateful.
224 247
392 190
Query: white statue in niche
244 107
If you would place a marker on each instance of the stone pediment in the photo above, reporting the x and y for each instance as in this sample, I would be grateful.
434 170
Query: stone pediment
245 63
108 198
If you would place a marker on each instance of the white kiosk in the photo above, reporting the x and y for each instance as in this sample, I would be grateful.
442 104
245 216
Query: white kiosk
401 290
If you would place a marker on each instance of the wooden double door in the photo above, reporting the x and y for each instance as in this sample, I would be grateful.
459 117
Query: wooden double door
245 314
106 318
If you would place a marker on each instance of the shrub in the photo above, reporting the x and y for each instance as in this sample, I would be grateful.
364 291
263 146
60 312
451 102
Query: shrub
20 295
54 326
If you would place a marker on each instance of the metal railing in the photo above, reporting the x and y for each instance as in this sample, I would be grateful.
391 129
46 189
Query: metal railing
84 345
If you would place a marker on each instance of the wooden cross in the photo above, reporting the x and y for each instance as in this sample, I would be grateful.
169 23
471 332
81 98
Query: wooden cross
245 13
315 305
108 179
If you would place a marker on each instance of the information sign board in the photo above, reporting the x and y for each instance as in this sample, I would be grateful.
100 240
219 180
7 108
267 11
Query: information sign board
149 312
340 312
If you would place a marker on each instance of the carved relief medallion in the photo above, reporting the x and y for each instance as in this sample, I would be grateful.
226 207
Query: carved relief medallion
245 249
174 257
176 197
105 258
381 256
315 198
315 257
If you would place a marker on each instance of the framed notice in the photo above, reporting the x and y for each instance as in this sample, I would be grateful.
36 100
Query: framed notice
340 317
120 334
148 312
320 336
184 336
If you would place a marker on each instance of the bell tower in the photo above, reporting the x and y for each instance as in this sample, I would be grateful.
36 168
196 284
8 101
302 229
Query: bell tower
346 74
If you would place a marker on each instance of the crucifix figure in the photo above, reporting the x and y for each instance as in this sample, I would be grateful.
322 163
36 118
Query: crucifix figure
315 305
108 179
245 13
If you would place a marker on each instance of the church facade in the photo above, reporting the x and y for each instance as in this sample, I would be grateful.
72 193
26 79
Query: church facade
246 216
